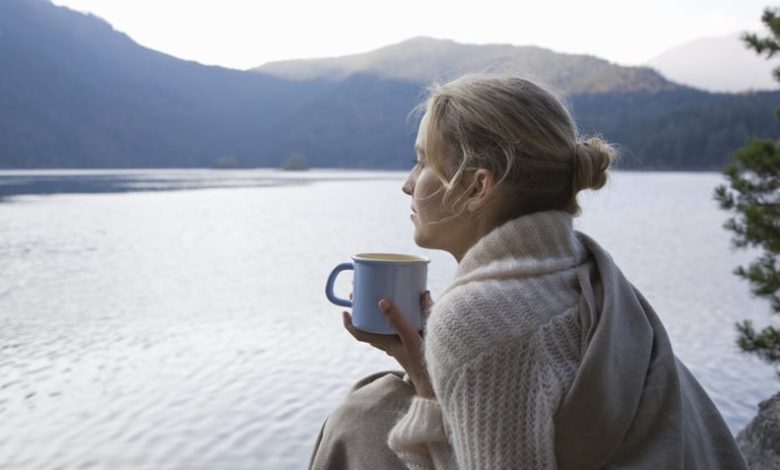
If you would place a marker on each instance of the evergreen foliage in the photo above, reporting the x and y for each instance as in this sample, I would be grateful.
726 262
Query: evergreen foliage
296 162
768 45
753 196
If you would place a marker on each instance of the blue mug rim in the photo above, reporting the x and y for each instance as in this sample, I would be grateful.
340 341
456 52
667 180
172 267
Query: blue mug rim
375 257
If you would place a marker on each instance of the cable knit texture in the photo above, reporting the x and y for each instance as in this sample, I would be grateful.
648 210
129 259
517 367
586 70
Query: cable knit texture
521 354
502 346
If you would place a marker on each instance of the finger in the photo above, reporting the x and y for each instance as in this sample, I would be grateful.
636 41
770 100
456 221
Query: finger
380 347
405 330
426 303
378 341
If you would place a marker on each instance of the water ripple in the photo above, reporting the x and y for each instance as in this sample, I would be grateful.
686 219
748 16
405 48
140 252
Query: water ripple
188 329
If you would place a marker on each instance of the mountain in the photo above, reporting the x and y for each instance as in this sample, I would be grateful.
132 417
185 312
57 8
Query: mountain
422 60
75 93
721 64
659 125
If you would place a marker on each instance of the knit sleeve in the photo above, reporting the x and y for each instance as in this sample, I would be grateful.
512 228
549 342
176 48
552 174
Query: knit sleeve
500 408
419 438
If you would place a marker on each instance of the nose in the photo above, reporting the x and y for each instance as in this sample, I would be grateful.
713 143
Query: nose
408 186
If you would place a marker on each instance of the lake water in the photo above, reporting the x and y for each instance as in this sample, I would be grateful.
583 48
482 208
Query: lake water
176 319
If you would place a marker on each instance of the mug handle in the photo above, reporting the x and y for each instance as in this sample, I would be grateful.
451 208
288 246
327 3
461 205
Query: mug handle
332 279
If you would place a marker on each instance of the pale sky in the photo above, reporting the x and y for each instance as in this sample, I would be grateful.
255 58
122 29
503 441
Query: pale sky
247 33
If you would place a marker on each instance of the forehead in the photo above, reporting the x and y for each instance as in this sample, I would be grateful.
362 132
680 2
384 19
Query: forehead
419 143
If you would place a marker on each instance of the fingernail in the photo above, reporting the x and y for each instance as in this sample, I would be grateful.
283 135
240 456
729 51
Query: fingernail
384 305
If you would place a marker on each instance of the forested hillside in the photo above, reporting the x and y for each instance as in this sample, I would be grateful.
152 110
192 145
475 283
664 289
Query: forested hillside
75 93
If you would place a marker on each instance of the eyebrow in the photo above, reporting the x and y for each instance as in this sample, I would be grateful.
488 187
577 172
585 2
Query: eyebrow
419 149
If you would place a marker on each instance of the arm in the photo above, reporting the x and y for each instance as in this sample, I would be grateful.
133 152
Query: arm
419 437
500 408
406 347
498 403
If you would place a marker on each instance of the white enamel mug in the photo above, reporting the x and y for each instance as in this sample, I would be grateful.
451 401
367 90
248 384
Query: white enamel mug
399 278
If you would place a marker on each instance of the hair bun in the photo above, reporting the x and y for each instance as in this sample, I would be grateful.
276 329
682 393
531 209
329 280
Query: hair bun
592 159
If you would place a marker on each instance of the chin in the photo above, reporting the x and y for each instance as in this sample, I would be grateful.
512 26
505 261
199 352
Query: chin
425 241
420 240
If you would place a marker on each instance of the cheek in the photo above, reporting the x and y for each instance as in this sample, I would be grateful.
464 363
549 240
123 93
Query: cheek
427 188
424 197
429 199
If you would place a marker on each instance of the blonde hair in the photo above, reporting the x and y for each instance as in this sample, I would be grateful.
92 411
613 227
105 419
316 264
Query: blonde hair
521 133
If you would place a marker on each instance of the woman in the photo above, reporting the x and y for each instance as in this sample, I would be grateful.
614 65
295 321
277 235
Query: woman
540 354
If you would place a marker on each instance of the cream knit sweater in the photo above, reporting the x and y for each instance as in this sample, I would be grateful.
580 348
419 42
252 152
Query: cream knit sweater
502 348
543 355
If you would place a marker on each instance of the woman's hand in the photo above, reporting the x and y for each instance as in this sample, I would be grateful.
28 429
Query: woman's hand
406 347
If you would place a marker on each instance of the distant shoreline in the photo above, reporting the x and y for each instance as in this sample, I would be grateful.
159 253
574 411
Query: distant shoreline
14 183
96 171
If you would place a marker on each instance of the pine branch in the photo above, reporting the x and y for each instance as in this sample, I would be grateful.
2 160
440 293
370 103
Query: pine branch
765 344
753 197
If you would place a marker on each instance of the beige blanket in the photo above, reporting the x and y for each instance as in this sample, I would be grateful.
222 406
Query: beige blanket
632 405
660 417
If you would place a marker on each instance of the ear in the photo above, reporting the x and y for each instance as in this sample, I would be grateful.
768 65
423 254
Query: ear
481 190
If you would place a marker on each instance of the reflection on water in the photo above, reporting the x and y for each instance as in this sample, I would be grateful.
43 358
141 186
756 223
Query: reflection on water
188 329
27 182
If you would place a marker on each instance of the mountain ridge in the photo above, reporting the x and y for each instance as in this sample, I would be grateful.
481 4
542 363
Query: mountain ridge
76 93
423 59
69 71
717 64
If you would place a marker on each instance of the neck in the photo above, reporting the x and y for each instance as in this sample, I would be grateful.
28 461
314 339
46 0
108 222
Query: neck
474 228
536 243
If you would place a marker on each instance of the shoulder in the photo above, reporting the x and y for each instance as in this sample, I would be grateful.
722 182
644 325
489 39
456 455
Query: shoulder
489 310
497 326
